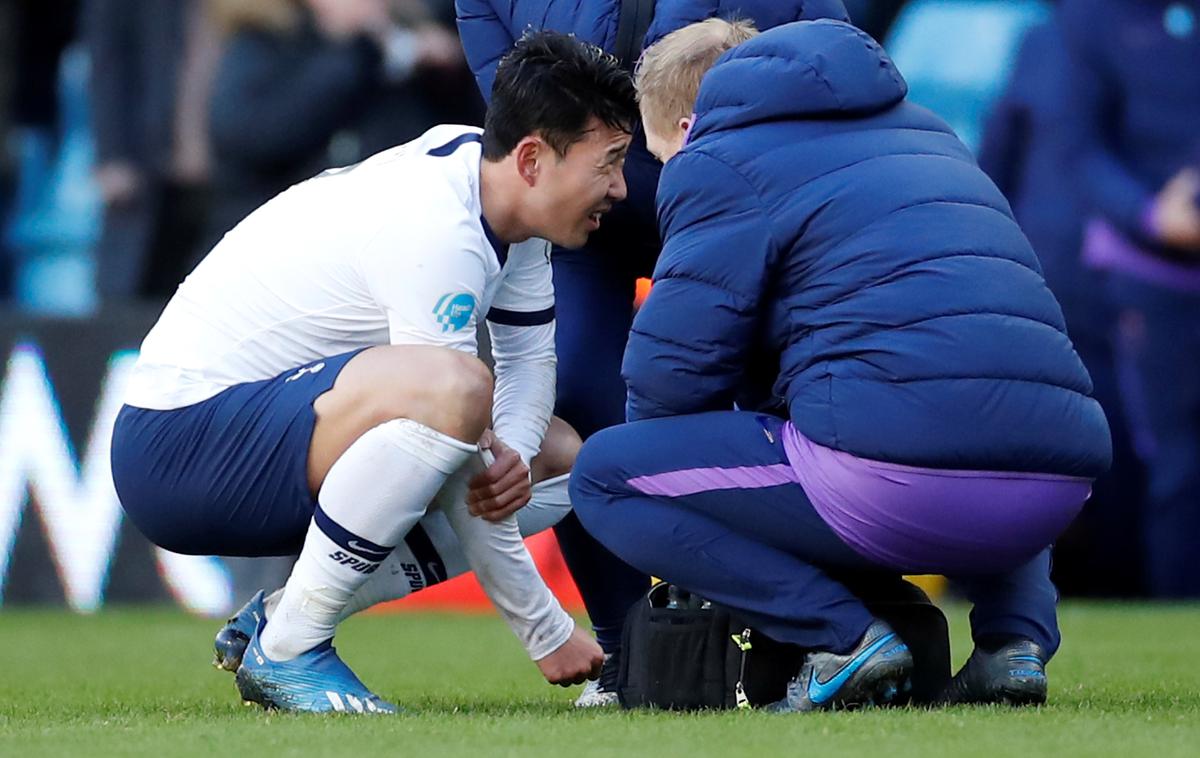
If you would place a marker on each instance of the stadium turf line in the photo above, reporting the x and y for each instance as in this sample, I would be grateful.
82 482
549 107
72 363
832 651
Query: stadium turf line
137 682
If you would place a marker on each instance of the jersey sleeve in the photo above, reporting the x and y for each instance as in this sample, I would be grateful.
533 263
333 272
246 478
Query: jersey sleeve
526 294
521 327
506 571
429 278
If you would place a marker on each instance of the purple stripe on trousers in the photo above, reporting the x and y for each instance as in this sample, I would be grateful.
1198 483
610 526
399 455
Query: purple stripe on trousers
1107 249
694 480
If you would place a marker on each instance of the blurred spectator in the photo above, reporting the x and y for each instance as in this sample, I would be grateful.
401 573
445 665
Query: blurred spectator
50 217
1135 124
956 54
40 33
1026 152
306 84
152 65
8 168
874 17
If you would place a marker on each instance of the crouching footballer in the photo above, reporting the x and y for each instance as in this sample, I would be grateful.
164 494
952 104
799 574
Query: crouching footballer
314 385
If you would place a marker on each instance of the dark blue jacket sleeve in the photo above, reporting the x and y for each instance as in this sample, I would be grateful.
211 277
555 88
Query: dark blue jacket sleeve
1005 140
1110 188
276 98
691 339
1007 131
485 38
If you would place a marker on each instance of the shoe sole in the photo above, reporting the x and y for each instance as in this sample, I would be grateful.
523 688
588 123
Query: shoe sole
1014 692
252 693
1020 697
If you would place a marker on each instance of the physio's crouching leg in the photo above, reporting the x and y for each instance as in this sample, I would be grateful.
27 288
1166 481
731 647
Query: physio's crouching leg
596 482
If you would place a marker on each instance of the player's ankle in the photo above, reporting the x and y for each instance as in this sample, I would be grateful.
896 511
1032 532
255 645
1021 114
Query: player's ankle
304 618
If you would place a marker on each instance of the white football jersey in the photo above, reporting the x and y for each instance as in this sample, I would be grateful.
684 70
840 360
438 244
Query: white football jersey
390 250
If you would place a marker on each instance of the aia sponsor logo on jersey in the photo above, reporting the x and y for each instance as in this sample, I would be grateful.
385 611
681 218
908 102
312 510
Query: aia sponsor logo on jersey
453 310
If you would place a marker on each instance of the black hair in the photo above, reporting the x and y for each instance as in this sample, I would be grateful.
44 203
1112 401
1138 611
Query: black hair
551 85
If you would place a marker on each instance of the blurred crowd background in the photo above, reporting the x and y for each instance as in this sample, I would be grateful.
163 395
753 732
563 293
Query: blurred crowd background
136 132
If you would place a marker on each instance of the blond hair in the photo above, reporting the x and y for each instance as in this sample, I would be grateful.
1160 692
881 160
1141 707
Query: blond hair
669 73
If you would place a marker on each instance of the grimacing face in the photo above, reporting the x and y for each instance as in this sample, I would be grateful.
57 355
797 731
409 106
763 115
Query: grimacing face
578 188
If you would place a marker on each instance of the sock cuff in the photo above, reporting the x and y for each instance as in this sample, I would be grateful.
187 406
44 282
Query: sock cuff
441 451
550 503
553 482
348 540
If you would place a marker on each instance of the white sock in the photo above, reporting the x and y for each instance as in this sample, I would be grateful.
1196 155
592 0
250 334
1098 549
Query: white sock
429 555
271 602
432 553
371 498
549 504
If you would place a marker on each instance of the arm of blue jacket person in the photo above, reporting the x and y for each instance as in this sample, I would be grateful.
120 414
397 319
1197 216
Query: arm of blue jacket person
1108 185
691 339
485 40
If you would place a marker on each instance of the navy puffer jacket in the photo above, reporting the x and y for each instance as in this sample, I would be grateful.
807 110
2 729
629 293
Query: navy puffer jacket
818 217
489 28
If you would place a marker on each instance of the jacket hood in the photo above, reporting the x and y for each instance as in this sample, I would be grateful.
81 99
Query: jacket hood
803 70
670 15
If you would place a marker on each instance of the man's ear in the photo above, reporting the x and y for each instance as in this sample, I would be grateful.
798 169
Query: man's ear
528 153
685 129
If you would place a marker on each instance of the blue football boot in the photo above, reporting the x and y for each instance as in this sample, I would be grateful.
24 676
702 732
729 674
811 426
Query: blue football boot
878 671
316 681
1013 673
231 641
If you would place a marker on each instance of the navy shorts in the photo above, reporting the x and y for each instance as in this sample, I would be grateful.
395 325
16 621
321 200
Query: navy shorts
228 475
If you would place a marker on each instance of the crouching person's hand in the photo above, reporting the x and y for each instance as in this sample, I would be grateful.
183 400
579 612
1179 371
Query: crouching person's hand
503 487
579 659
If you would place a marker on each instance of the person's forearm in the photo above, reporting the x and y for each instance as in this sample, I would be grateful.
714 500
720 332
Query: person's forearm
497 555
523 405
525 377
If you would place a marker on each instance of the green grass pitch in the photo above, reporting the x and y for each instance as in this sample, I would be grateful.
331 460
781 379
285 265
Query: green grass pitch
137 682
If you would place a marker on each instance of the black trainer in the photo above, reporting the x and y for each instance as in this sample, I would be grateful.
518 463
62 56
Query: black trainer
1013 673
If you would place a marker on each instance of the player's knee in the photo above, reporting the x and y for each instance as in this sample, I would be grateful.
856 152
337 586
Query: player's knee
559 449
471 386
589 498
464 397
451 394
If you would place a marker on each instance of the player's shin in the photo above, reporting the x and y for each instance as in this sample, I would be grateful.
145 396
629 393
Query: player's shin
373 495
